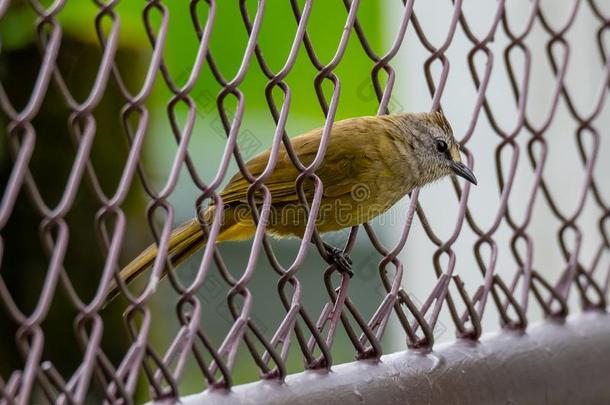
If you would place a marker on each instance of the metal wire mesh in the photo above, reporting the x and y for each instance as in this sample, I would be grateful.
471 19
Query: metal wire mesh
512 297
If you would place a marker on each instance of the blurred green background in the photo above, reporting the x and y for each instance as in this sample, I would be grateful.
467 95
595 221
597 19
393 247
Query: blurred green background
24 263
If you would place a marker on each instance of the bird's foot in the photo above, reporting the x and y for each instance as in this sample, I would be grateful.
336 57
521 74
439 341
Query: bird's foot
341 260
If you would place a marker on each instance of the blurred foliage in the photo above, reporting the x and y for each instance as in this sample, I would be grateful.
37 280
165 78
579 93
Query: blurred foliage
25 264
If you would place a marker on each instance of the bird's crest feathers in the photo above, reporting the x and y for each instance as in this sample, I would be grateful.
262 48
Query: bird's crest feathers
438 118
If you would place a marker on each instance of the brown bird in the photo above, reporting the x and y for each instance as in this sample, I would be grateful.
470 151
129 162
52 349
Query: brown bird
370 164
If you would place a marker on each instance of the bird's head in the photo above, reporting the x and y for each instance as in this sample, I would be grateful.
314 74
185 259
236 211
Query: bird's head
436 152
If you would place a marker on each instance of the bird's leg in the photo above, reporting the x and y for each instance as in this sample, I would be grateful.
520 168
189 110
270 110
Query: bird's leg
338 257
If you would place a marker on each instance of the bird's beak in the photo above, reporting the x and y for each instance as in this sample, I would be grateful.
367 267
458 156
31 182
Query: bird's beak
463 171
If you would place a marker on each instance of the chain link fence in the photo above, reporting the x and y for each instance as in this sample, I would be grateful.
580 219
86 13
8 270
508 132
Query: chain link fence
529 109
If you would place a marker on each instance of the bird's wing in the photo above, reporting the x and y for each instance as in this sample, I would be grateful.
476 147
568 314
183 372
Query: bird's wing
345 158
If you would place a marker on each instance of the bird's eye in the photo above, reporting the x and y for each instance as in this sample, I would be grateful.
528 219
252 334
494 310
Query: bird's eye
441 146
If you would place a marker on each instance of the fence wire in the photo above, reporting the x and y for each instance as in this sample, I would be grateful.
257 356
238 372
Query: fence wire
313 333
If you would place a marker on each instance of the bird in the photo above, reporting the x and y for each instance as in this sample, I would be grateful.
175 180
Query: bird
370 163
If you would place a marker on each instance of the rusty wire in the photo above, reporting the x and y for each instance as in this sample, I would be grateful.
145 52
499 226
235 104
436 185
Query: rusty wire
314 333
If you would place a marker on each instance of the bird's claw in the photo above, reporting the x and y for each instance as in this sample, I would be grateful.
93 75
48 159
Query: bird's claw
341 260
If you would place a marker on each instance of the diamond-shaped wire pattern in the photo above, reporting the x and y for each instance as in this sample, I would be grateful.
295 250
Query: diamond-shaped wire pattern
521 146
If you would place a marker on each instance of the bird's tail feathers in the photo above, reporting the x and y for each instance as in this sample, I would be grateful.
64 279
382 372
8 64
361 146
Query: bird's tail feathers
187 237
183 242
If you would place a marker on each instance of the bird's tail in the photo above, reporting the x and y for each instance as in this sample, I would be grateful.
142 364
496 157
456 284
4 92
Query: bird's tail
183 242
